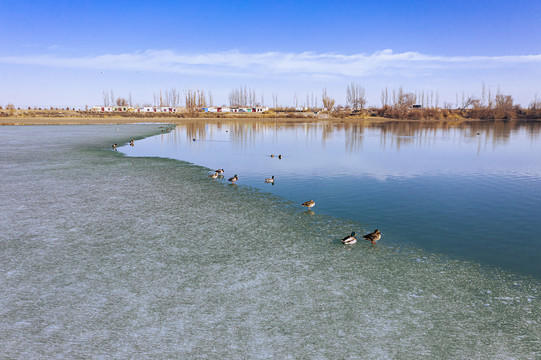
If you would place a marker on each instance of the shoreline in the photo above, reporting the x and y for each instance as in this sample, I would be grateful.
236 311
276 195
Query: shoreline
59 120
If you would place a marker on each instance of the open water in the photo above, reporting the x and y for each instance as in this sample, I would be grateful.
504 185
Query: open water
104 255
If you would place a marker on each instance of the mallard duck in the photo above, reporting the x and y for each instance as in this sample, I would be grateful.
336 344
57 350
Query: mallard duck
373 236
213 176
219 171
270 180
234 178
309 204
350 239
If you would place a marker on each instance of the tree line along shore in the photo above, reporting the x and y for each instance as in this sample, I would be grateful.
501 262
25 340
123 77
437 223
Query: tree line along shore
388 112
396 104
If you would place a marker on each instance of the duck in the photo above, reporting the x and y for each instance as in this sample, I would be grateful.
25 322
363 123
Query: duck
213 176
373 236
279 156
350 239
234 178
219 171
270 180
309 204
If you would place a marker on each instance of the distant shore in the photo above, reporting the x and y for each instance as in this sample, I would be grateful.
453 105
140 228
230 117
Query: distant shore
72 117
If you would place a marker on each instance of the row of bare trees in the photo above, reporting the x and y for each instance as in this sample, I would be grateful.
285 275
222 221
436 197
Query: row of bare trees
244 96
110 100
395 103
167 98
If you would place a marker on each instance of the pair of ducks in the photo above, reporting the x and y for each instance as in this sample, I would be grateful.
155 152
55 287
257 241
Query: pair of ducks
218 173
372 237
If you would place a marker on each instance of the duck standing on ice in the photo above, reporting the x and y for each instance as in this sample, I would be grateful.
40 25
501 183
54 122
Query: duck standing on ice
373 236
350 239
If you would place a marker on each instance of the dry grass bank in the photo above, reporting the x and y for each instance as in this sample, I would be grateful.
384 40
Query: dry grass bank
73 117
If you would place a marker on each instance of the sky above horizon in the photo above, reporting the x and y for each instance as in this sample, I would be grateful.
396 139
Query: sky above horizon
67 53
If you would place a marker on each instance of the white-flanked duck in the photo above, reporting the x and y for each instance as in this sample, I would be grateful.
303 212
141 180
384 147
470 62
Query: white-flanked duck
350 239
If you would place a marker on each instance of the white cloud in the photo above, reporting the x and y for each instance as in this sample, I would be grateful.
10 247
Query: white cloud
235 63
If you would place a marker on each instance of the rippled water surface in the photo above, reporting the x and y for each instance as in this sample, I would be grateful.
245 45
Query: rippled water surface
104 255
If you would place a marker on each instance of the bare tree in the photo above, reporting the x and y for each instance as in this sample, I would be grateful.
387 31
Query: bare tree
328 102
504 106
121 102
201 100
105 98
469 101
242 96
274 100
355 97
385 97
191 100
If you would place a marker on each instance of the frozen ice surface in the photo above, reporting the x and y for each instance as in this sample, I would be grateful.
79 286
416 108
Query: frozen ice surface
106 256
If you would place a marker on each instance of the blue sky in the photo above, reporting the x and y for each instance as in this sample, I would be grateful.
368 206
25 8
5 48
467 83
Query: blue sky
66 53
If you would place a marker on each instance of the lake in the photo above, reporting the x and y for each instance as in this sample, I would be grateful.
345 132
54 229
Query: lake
137 253
470 191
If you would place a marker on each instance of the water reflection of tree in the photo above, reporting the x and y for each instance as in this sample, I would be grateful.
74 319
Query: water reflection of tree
401 133
395 134
195 130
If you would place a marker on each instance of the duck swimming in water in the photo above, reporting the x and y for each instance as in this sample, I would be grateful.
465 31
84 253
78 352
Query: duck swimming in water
219 171
234 178
270 180
373 236
350 239
309 204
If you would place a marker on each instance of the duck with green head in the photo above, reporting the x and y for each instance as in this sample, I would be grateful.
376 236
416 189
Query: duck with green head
234 178
350 239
